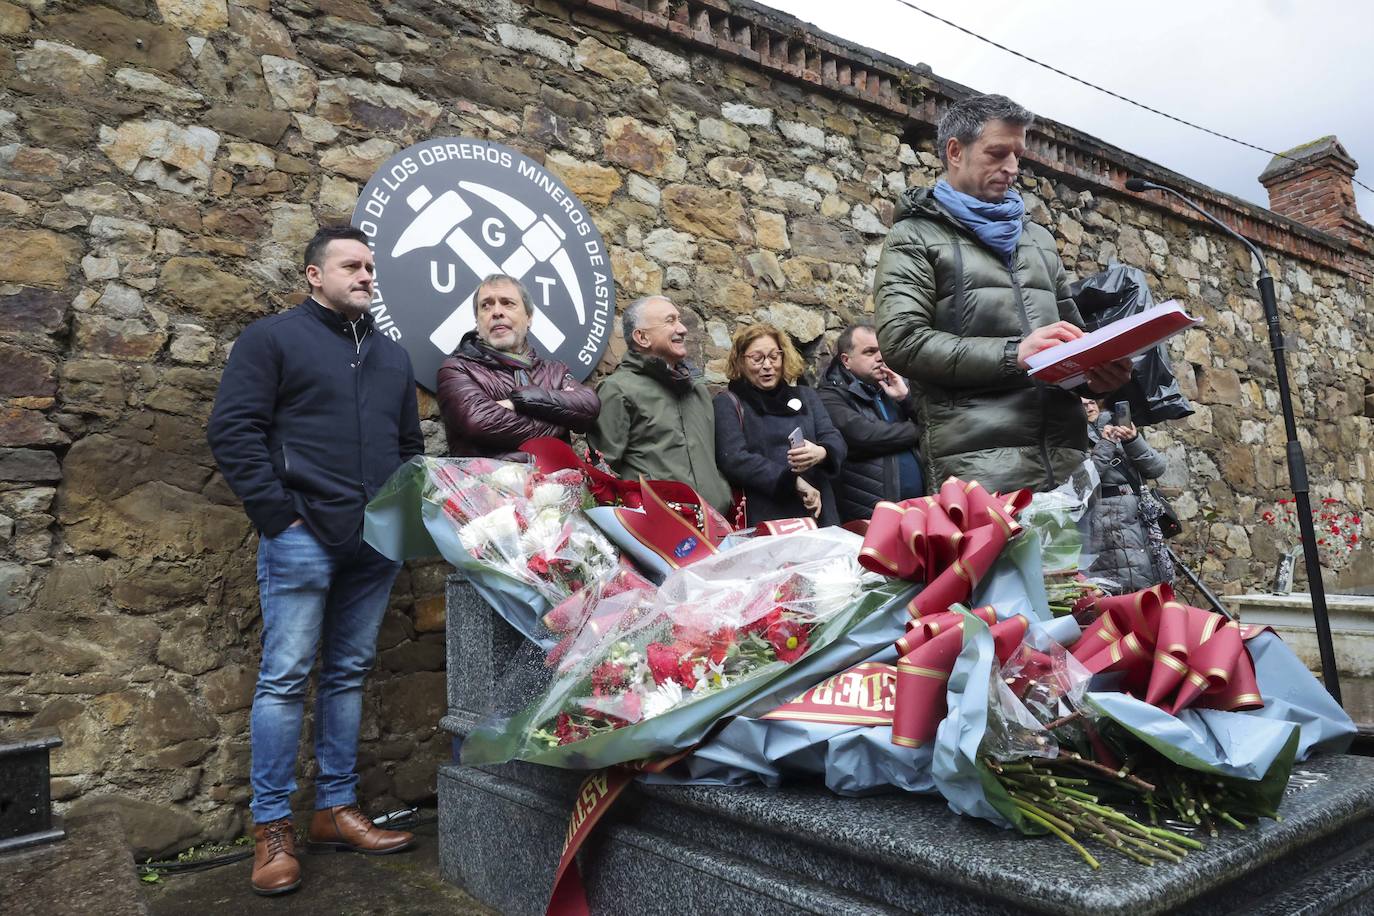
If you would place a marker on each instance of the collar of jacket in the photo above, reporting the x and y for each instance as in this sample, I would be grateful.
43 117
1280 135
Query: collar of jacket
472 348
838 376
333 319
679 380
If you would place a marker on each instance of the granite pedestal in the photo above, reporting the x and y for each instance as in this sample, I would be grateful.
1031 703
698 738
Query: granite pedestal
1352 637
805 850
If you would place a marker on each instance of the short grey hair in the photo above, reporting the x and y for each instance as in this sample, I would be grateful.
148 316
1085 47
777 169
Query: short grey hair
966 118
504 278
629 319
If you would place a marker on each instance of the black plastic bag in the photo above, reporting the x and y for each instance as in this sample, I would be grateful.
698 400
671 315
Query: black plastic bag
1119 292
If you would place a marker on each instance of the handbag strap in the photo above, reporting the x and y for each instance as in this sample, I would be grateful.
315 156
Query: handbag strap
1133 477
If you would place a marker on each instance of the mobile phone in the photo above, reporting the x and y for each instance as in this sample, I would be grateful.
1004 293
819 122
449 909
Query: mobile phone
795 438
1121 413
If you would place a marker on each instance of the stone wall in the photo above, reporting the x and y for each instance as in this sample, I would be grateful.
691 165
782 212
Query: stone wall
163 161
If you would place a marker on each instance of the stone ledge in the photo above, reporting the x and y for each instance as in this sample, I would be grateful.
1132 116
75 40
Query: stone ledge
888 853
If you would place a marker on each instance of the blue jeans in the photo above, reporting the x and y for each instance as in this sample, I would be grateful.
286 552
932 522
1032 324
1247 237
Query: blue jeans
312 597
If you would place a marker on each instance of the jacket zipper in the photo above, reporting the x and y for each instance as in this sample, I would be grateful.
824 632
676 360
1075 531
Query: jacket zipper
357 393
1039 386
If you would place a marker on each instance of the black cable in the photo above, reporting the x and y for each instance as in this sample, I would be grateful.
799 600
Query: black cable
1115 95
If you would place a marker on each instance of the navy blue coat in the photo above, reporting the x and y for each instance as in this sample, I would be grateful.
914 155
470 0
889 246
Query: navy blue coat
753 456
312 416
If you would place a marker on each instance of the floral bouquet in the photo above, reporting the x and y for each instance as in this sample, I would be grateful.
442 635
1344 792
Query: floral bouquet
1338 528
646 672
518 533
523 522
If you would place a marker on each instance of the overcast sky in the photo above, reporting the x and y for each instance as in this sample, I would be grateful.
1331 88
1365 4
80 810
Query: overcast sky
1276 73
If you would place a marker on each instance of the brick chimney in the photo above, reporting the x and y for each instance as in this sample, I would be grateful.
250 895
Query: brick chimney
1312 184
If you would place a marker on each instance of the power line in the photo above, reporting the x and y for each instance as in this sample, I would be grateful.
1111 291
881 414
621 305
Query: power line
1103 89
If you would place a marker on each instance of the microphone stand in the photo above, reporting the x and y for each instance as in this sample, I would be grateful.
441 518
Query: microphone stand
1297 464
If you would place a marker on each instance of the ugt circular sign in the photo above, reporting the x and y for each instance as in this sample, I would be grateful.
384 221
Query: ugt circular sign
446 213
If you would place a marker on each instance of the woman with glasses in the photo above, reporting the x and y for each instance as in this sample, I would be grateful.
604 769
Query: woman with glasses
782 472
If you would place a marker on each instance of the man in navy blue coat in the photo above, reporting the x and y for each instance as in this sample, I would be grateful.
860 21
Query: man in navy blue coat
315 410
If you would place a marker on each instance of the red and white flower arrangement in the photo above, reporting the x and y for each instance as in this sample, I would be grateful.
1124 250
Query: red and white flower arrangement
1339 529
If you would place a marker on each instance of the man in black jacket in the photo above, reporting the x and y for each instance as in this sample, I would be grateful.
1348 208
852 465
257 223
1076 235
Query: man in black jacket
871 407
315 410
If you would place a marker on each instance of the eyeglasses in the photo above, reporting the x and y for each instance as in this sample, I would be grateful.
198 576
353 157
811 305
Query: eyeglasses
758 359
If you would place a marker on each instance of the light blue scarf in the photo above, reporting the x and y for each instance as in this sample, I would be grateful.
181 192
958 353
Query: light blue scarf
997 226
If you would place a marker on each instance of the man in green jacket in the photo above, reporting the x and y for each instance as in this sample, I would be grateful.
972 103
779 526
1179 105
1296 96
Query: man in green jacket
657 419
966 289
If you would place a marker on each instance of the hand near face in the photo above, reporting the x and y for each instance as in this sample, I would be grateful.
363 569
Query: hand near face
893 385
810 496
805 456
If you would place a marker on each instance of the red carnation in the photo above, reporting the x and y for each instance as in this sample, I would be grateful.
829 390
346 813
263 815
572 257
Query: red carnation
608 677
788 638
686 672
663 662
567 731
764 623
538 564
721 641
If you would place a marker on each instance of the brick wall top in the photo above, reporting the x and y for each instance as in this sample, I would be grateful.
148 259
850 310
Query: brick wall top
781 44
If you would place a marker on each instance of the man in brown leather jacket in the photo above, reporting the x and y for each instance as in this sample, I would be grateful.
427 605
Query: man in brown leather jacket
495 393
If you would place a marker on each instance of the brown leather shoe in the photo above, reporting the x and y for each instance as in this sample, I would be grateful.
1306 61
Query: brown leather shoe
346 829
276 869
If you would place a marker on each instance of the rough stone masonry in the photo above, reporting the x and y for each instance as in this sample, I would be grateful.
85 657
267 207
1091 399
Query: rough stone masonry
163 161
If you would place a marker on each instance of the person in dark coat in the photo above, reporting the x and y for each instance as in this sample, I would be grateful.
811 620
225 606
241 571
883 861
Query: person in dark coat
315 410
496 393
754 420
872 408
1126 544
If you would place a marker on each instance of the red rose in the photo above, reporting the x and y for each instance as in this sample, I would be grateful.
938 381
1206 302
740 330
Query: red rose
788 638
663 662
538 565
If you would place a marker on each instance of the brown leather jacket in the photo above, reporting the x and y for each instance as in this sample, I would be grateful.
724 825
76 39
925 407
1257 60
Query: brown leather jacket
548 402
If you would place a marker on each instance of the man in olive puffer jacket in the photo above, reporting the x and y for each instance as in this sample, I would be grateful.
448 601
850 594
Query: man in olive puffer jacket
967 288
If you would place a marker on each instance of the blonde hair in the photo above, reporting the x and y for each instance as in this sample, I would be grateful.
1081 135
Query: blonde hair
792 365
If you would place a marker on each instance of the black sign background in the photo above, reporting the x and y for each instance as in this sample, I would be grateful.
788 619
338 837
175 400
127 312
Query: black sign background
443 214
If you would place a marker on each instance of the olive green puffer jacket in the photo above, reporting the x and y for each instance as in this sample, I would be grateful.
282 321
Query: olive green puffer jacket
950 314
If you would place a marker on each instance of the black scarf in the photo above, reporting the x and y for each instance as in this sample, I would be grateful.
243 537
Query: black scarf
772 402
677 379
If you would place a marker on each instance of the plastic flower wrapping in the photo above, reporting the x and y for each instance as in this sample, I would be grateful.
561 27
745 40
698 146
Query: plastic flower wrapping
520 534
659 665
526 524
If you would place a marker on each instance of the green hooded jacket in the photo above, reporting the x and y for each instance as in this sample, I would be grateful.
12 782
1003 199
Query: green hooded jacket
950 315
660 426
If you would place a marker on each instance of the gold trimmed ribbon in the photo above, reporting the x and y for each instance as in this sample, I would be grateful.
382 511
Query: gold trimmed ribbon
1171 655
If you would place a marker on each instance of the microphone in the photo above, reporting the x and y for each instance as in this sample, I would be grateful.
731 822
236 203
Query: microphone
1140 184
1297 463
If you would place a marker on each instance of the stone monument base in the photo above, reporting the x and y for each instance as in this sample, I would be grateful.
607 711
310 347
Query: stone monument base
805 850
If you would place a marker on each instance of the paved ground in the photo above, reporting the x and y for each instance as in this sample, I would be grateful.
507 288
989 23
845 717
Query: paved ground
334 884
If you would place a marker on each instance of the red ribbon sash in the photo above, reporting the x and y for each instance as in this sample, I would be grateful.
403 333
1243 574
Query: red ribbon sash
862 695
594 798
